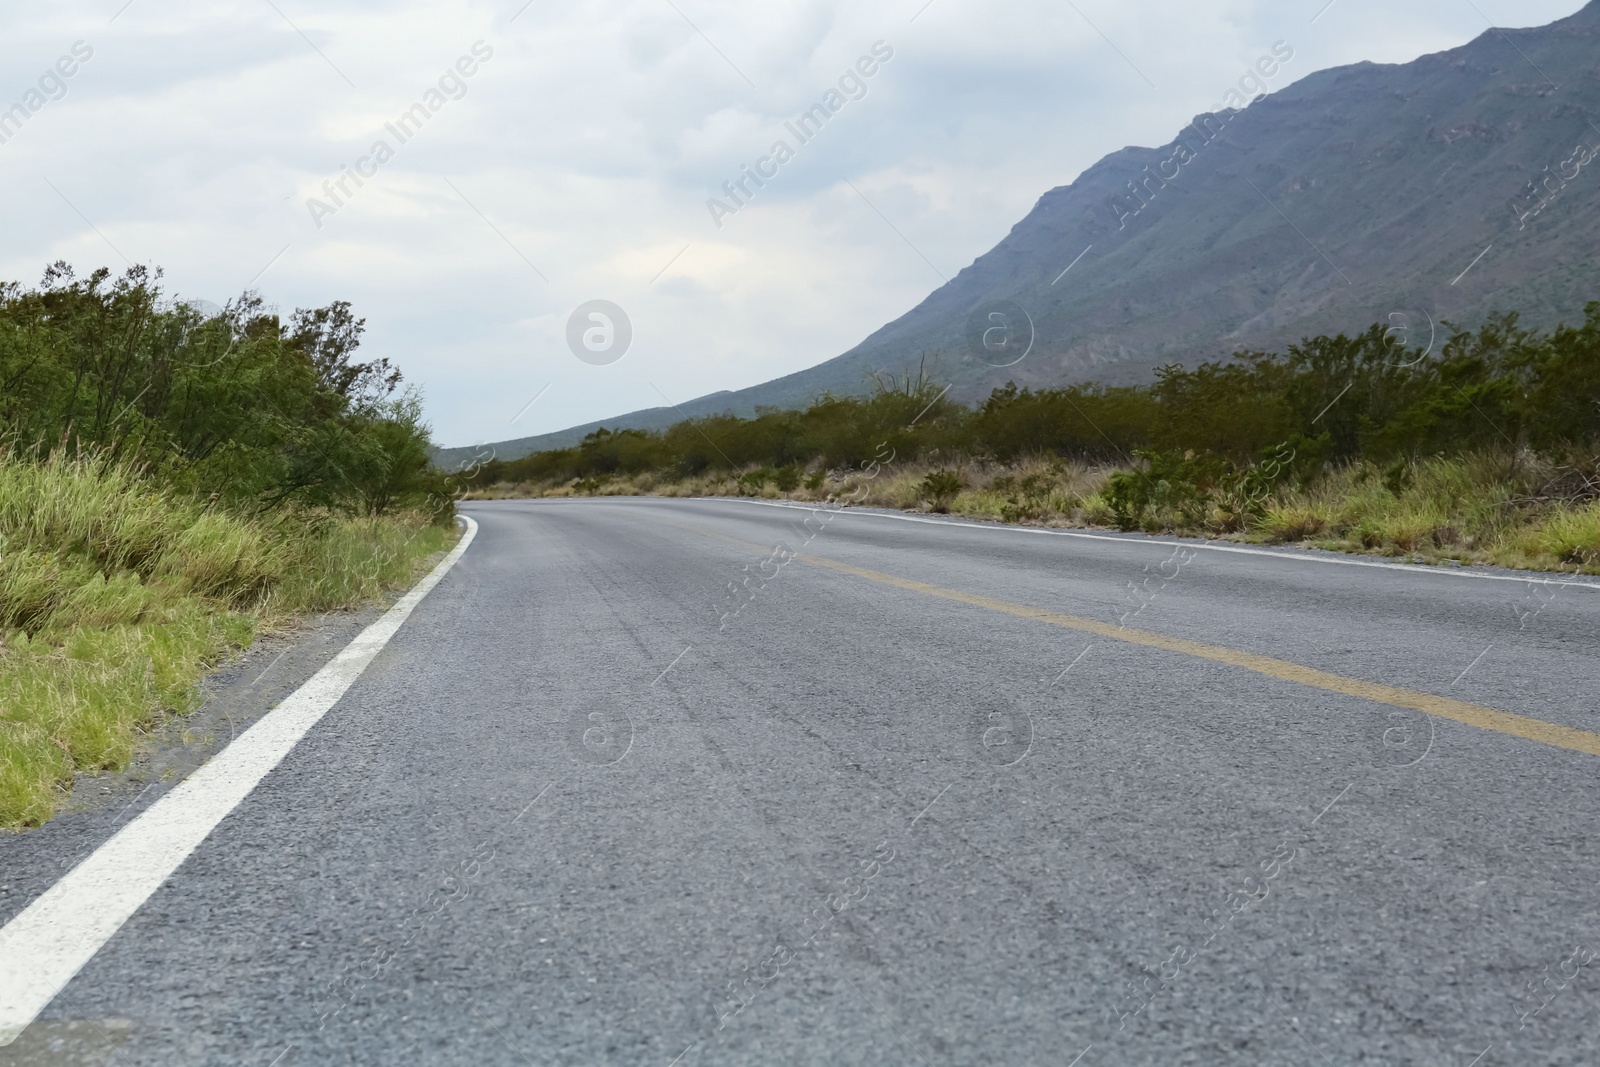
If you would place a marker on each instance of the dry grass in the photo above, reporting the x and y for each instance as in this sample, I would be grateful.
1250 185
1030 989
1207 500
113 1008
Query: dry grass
1043 490
1498 507
1481 508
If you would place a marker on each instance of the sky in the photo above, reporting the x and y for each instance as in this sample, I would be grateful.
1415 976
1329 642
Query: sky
560 153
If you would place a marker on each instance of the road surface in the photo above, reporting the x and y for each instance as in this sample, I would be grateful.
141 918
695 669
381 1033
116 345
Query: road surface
670 782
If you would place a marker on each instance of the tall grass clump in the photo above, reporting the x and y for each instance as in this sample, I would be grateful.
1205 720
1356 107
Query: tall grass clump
1570 536
118 592
1488 506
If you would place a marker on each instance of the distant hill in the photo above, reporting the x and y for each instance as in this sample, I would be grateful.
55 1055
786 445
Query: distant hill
1356 195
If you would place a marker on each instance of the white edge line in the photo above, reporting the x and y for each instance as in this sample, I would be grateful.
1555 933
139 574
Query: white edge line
44 946
1413 568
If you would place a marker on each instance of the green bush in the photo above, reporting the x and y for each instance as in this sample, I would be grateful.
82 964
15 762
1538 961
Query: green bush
592 484
940 488
1167 490
751 482
238 406
1025 499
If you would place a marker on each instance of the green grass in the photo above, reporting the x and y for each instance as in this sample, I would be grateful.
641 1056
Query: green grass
117 595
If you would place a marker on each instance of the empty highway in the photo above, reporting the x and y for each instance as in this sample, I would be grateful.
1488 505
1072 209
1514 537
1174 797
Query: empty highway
693 782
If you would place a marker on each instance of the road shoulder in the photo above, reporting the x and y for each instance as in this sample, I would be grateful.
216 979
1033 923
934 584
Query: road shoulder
235 696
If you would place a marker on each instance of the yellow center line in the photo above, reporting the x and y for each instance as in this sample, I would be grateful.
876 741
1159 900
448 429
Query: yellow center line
1479 715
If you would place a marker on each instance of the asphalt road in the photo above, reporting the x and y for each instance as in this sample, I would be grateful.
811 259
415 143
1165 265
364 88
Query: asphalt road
631 788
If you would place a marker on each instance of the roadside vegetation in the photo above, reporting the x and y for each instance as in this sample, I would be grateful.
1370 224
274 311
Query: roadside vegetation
172 482
1485 448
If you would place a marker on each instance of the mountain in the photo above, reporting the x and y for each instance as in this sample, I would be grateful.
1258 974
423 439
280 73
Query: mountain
1447 188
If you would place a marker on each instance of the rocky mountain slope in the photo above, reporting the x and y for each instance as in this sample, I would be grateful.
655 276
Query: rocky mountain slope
1446 188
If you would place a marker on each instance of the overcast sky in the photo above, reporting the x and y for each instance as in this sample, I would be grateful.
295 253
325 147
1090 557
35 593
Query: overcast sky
576 160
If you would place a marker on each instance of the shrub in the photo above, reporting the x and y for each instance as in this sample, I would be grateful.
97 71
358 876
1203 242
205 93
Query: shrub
940 488
237 406
1027 497
751 482
1170 489
1397 478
